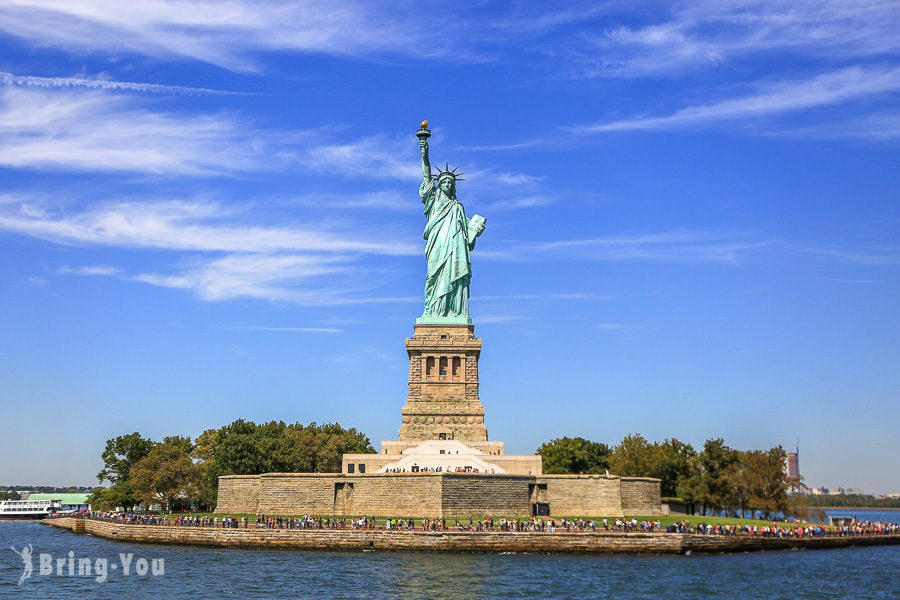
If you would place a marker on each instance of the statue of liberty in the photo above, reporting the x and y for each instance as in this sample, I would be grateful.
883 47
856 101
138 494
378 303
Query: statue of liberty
449 238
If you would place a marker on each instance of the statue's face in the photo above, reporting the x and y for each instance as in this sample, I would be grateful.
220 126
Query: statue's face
447 184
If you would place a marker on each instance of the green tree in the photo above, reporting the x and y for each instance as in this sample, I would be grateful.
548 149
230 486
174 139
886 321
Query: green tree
671 464
744 479
770 492
668 461
632 457
166 473
574 455
709 482
120 455
245 448
798 507
320 448
120 495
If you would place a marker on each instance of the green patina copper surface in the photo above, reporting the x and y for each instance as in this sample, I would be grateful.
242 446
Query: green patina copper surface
450 237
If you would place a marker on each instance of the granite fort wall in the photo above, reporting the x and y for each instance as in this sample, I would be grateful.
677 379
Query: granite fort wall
238 494
641 496
583 495
469 495
339 494
481 542
439 495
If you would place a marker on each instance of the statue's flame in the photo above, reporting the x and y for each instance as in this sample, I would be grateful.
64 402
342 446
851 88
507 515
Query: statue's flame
424 125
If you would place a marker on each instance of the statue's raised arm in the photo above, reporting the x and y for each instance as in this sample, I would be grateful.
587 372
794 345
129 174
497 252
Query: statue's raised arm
423 135
450 236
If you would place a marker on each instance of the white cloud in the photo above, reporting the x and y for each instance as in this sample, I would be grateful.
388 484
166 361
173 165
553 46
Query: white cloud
381 200
832 88
103 84
227 33
227 258
374 156
613 38
879 126
520 202
685 246
98 131
94 270
883 256
613 326
516 179
261 276
674 246
705 33
181 225
506 298
292 329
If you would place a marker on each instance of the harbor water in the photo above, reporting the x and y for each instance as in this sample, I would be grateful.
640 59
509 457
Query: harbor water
156 571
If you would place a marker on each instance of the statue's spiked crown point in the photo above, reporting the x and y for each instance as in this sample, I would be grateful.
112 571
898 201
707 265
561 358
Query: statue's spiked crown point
448 172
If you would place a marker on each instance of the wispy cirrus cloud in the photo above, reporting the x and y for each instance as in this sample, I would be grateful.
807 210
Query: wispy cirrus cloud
98 131
380 200
685 246
609 39
282 277
291 329
91 270
672 246
227 33
104 84
180 225
103 131
707 33
219 255
374 156
521 201
844 85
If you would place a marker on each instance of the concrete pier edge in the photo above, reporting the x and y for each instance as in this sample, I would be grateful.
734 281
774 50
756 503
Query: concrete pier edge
456 542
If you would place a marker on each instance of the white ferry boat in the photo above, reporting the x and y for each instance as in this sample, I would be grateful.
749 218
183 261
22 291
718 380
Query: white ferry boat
28 509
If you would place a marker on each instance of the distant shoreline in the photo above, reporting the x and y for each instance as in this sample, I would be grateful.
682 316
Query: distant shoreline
463 542
851 508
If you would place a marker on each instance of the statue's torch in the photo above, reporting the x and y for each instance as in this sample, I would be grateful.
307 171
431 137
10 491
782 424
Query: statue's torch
423 133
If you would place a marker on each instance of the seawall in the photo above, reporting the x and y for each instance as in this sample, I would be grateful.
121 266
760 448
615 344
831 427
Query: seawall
453 541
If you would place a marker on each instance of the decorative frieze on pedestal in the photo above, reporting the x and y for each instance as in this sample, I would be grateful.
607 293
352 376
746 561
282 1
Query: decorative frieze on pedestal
443 401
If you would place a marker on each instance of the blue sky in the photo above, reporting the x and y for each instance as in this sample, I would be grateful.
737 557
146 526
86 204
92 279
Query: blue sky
209 211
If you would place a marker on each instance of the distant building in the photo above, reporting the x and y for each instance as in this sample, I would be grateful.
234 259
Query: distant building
68 501
793 465
820 491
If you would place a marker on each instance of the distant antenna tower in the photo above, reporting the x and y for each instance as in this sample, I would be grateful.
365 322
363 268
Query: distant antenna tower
793 462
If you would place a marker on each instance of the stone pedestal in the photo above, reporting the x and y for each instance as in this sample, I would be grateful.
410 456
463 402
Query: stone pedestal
443 401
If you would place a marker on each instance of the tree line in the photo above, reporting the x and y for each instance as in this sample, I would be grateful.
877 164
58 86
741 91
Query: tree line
852 501
718 478
182 471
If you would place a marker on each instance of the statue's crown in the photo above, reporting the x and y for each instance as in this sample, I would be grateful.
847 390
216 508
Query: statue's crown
448 172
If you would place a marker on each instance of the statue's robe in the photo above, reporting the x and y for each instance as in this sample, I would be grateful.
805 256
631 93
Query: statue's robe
447 253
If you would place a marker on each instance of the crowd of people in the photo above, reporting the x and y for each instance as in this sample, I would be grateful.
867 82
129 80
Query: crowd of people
783 530
304 522
533 524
